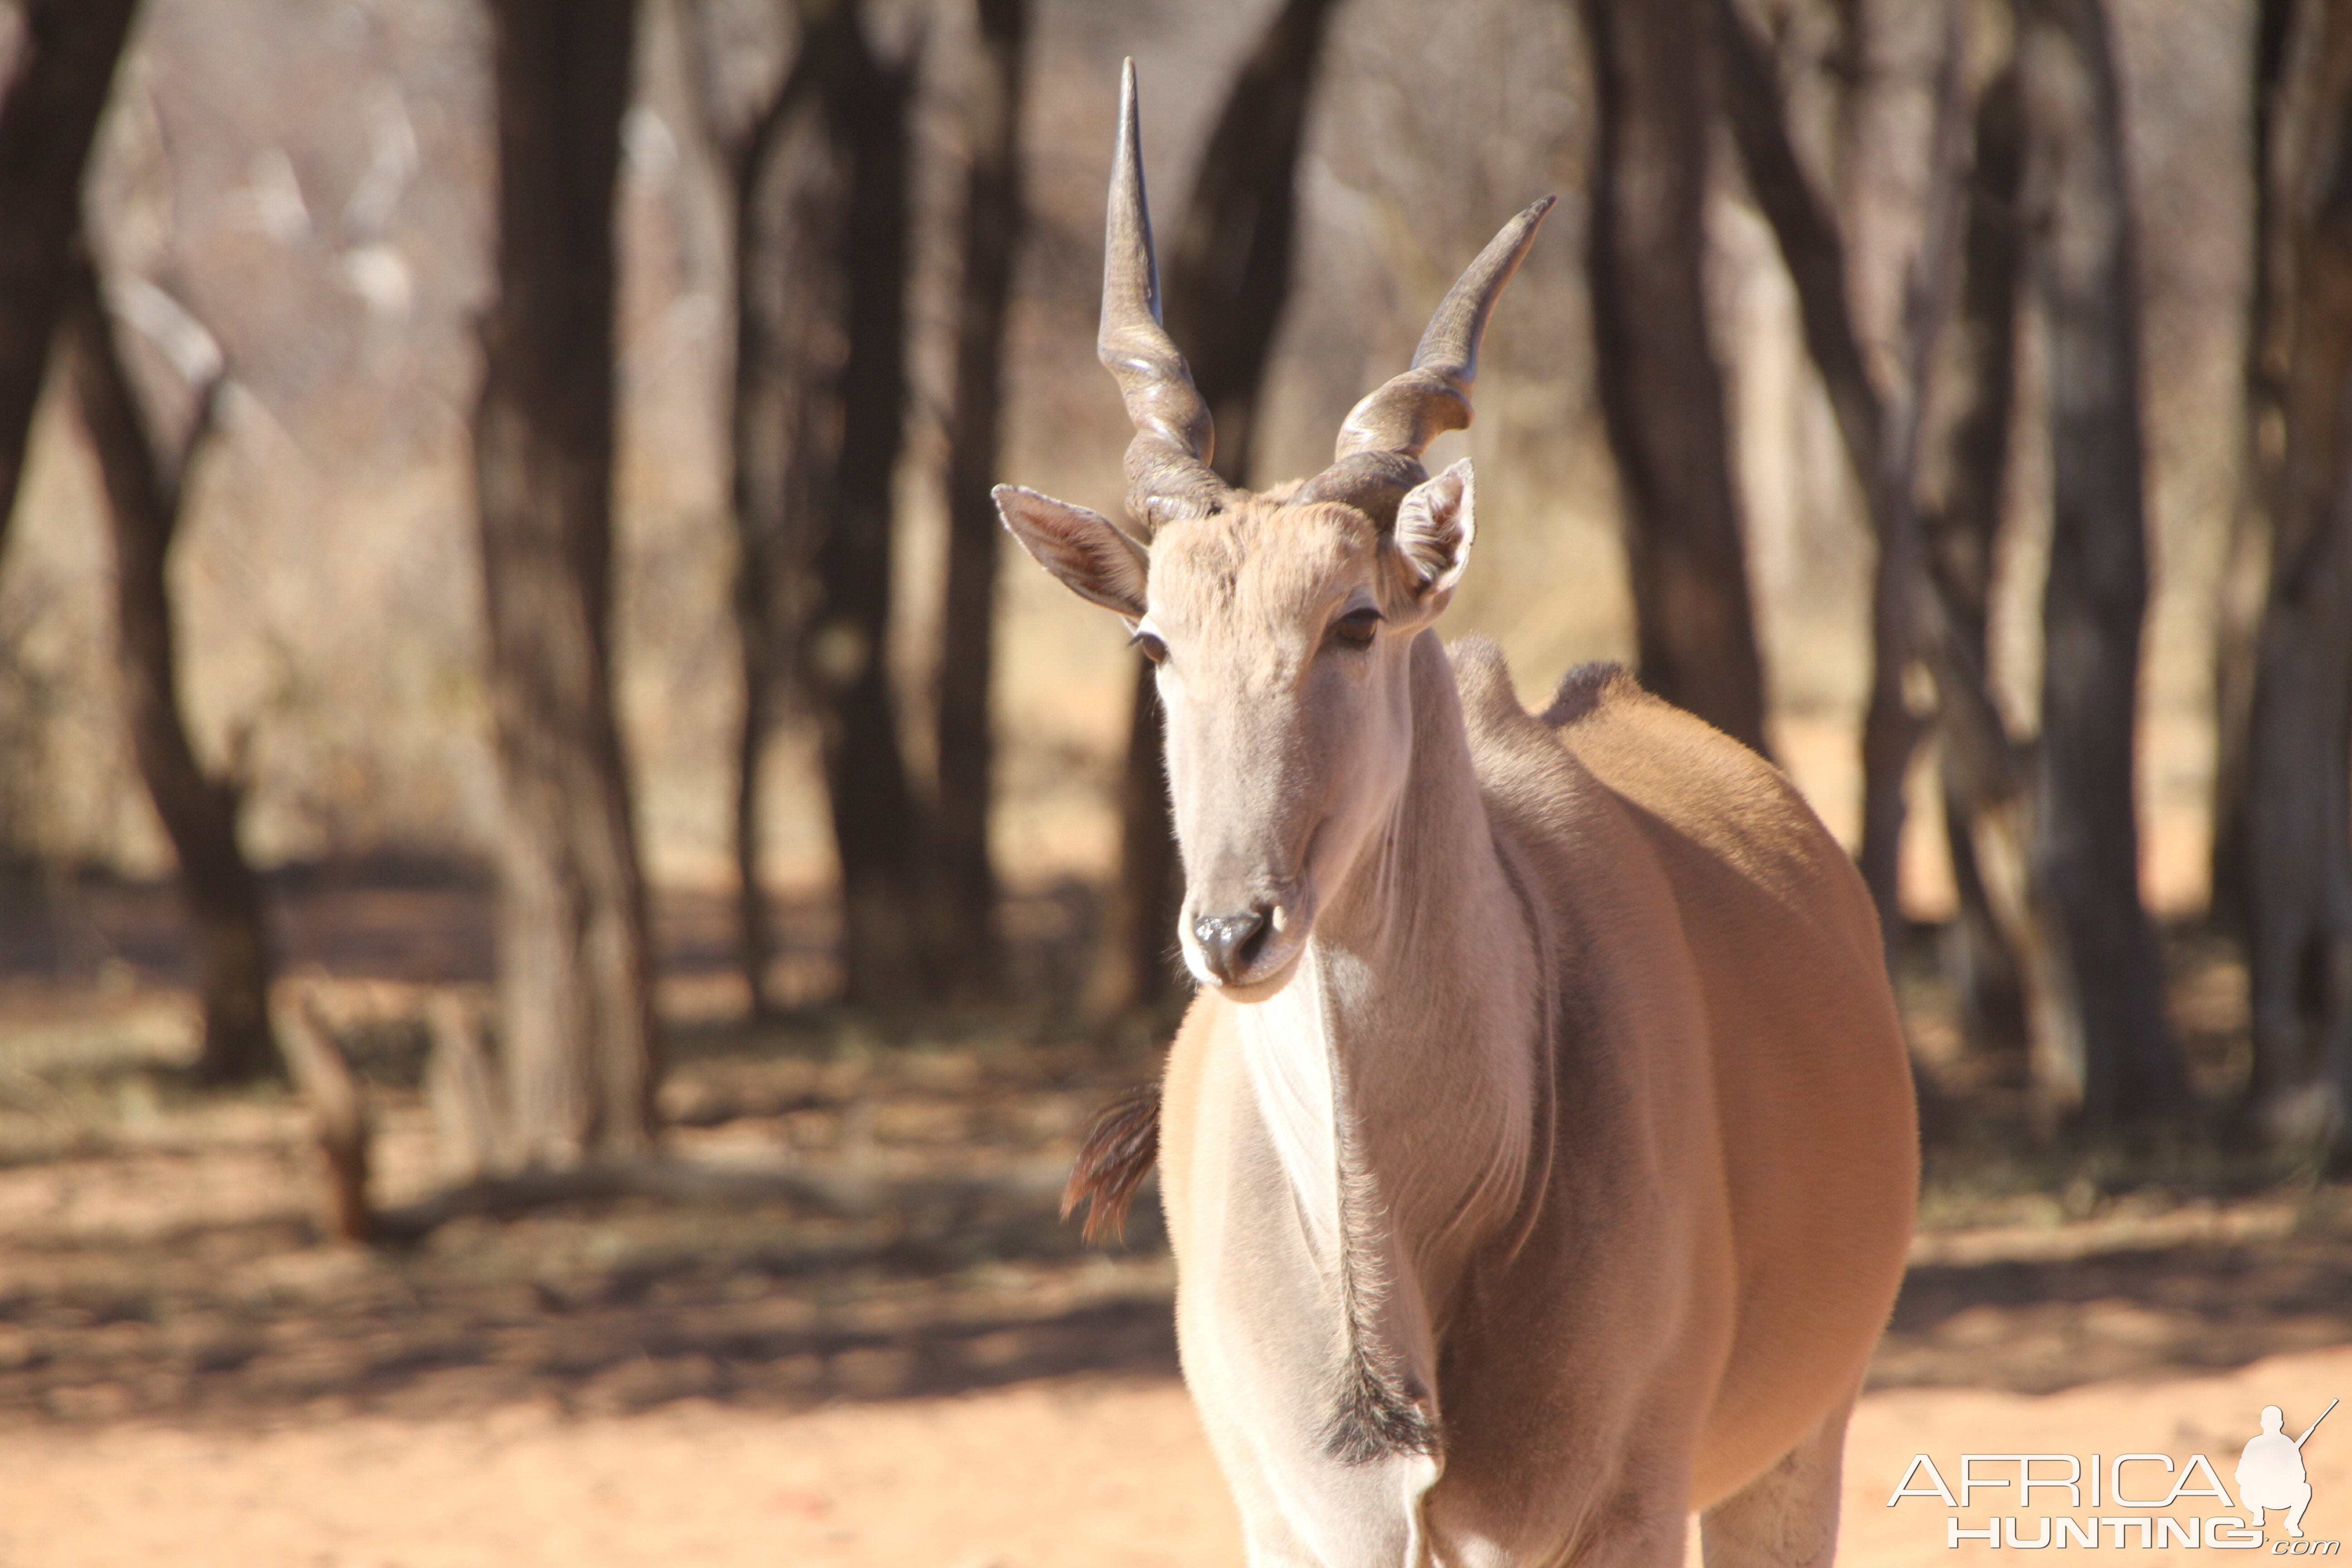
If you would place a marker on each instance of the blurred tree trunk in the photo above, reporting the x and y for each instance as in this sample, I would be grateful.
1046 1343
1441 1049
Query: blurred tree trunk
575 972
1813 251
759 459
1662 397
66 59
2113 1059
1847 62
821 196
1228 271
878 833
1966 479
144 502
2262 448
1137 967
2298 804
786 215
991 232
1812 247
1228 256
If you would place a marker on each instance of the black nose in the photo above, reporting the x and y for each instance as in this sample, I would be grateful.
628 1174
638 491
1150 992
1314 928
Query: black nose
1230 944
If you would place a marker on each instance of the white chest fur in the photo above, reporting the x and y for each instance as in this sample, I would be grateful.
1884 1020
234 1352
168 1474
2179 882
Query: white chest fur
1285 1041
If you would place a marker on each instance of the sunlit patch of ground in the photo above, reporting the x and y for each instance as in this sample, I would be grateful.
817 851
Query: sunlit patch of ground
1090 1472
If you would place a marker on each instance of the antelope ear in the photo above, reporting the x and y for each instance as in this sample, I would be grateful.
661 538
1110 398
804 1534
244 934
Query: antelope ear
1434 526
1091 556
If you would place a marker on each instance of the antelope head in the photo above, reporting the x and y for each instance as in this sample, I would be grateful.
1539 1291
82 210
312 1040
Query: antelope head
1281 623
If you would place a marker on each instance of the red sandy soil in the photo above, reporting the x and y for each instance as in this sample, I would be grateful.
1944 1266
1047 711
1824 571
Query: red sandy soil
1082 1472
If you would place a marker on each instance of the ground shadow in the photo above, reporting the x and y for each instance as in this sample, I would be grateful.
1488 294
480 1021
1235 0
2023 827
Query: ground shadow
2036 1326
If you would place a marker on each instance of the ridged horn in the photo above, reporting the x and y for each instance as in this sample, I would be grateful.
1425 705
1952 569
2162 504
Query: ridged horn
1378 457
1168 472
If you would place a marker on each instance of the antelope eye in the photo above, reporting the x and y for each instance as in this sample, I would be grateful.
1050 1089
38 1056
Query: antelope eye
1354 629
1153 648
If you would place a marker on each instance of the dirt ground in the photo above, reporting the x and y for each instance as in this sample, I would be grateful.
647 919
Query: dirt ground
186 1374
1085 1472
940 1375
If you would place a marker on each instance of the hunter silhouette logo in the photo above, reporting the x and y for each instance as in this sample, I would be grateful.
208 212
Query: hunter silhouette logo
2135 1500
2270 1473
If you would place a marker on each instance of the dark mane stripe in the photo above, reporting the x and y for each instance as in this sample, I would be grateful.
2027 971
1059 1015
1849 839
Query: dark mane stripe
1374 1420
1373 1416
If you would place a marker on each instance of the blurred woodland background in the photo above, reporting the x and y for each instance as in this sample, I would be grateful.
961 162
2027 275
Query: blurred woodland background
501 618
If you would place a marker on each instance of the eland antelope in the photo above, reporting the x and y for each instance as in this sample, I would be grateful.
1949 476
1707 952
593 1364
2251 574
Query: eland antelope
1539 1152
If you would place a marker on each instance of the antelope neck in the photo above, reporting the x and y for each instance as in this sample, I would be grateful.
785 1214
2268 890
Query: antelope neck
1397 1067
